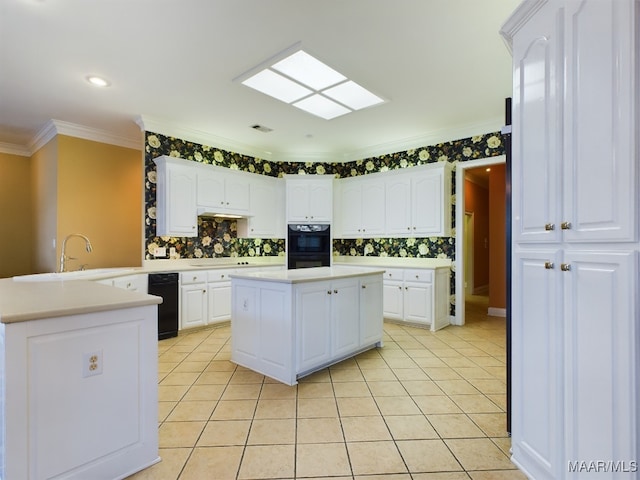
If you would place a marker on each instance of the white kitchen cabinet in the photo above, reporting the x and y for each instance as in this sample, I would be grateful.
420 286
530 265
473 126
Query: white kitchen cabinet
218 295
575 197
309 198
418 296
287 325
193 299
267 209
175 198
418 201
362 206
222 190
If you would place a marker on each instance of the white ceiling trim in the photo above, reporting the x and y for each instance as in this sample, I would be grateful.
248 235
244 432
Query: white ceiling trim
13 149
433 138
58 127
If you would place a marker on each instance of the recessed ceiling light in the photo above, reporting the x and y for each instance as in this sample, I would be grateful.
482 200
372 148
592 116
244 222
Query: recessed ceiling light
98 81
305 82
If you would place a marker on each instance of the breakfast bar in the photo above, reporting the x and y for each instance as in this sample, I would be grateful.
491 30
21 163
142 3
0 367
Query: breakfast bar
78 380
289 323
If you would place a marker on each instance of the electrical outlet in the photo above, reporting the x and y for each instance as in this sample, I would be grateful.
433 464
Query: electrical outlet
160 252
172 252
258 251
92 364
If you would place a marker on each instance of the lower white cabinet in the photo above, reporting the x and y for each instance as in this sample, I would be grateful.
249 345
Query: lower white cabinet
288 330
193 299
219 296
417 296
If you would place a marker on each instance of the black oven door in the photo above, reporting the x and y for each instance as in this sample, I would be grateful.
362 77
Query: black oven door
308 246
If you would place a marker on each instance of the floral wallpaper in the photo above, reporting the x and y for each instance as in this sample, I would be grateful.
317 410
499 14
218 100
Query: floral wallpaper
218 238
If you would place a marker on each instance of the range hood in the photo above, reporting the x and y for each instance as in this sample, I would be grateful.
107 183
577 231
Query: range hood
210 212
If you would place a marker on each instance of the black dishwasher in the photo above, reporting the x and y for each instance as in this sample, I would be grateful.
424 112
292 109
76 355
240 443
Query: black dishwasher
165 285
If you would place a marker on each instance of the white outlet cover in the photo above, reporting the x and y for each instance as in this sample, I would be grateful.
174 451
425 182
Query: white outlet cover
160 252
92 363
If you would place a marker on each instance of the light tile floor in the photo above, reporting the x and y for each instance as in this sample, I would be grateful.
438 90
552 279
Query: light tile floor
426 406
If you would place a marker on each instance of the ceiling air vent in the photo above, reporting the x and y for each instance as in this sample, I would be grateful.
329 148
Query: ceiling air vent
262 128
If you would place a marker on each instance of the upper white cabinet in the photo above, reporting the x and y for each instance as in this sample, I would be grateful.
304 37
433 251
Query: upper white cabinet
418 201
575 197
221 190
309 198
361 207
267 209
175 198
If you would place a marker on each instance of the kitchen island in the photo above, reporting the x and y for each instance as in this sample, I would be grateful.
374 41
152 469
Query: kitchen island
289 323
78 380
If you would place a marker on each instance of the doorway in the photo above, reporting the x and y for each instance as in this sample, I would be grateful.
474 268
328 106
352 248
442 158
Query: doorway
462 170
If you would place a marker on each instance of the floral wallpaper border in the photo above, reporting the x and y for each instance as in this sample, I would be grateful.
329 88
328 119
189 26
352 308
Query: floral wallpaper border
218 238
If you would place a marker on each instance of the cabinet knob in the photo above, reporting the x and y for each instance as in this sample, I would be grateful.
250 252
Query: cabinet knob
193 227
565 267
417 276
565 225
549 226
406 288
194 278
408 228
548 265
204 291
128 285
335 291
328 292
364 286
399 288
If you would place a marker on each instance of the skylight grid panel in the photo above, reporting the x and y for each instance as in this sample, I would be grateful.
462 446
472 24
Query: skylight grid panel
352 95
309 71
277 86
321 107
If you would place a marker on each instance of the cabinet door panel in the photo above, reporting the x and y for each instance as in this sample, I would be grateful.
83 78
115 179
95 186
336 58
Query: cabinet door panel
600 196
210 189
193 306
398 205
219 302
373 206
371 324
297 202
313 320
345 316
351 209
393 300
601 353
418 302
320 201
537 149
537 363
237 193
426 204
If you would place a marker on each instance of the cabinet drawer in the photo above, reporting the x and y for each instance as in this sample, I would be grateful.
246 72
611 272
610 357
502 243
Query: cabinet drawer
392 274
418 275
187 278
220 275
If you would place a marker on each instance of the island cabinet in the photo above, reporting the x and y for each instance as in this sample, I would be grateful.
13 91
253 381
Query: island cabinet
575 335
290 323
78 381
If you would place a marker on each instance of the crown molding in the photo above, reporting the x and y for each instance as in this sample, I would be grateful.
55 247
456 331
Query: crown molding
433 138
58 127
14 149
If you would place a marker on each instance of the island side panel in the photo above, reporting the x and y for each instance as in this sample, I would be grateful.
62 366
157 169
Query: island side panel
371 311
262 328
73 420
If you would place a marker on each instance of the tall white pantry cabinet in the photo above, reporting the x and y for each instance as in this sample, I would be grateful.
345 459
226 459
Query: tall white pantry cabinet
575 332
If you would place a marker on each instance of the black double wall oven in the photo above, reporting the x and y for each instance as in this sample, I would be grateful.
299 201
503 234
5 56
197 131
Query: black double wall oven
308 245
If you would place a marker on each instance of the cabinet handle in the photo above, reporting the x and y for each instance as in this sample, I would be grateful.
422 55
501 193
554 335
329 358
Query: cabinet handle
548 265
549 226
565 267
128 285
328 292
565 225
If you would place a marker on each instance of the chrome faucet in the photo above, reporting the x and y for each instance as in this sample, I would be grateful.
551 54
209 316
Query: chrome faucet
63 255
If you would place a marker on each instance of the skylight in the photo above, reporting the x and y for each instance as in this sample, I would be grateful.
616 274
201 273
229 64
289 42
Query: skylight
303 81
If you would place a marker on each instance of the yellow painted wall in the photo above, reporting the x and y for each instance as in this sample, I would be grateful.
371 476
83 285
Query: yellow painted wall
44 172
15 222
100 195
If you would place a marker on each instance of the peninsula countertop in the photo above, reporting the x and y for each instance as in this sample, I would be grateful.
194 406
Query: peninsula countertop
300 275
23 301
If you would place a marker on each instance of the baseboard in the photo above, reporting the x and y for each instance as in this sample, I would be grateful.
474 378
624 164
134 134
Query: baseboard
497 312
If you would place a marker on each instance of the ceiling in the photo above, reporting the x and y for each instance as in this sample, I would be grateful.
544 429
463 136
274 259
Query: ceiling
441 65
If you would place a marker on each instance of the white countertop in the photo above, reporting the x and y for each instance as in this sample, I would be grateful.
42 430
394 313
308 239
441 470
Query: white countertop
315 274
22 301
